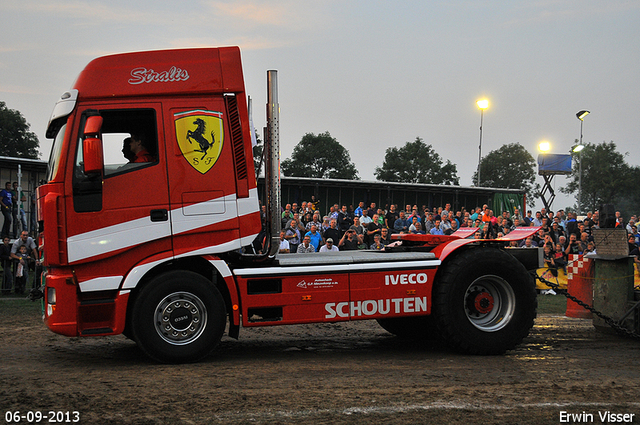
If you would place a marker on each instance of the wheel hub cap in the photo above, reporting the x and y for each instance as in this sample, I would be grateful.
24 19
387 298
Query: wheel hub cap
483 302
489 303
180 318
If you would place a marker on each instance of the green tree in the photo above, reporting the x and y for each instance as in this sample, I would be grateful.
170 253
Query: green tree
606 177
416 162
320 156
510 167
15 138
628 203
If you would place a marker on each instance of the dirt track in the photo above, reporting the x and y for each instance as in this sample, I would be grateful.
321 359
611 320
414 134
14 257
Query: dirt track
333 373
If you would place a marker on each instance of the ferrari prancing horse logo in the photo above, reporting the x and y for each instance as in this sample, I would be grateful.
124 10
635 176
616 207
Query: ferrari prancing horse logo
200 135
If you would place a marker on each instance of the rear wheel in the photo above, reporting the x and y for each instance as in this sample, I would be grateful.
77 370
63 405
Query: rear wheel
178 317
484 301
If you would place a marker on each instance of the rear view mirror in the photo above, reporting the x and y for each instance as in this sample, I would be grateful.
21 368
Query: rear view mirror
92 146
92 155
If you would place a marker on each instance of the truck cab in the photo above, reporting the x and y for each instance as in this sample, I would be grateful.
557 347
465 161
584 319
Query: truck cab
109 219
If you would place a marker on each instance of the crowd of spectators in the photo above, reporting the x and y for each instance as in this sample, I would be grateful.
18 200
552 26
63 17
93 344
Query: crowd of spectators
305 229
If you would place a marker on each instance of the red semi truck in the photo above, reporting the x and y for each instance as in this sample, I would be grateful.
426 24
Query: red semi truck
151 198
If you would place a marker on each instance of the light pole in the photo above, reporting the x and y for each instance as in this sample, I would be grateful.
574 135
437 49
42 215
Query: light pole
482 104
577 149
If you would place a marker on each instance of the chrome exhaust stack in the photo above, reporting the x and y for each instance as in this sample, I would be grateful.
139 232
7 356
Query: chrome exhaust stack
272 165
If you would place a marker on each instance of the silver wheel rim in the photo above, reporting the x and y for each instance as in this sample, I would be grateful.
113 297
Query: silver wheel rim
489 303
180 318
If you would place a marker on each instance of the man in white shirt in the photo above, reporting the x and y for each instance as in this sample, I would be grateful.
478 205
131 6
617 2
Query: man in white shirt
329 246
284 244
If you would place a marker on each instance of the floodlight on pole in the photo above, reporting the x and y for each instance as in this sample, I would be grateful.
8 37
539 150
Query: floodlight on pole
482 104
580 115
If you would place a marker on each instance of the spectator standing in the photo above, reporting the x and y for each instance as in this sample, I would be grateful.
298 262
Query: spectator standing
538 220
633 248
417 229
22 269
376 245
358 229
516 214
414 221
332 232
326 223
561 257
632 222
401 225
287 215
314 203
428 222
293 236
329 246
284 244
529 243
344 219
573 247
349 241
365 219
314 237
572 225
538 237
373 228
314 222
436 228
527 219
452 229
584 241
372 210
24 240
385 237
477 214
305 247
445 222
550 260
6 204
391 217
556 232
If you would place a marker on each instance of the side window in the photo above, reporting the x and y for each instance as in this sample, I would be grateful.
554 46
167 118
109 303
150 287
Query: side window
129 142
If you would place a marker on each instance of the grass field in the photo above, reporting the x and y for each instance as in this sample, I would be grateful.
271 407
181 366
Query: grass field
552 304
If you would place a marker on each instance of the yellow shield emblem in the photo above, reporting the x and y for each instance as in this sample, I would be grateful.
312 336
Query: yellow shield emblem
200 135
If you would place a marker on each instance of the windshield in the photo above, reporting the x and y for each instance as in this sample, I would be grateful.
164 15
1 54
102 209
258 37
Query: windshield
54 159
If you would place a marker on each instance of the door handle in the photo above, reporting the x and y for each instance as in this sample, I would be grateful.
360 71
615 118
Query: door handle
159 215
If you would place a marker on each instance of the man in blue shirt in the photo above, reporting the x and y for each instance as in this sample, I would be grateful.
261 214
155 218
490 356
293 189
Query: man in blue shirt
6 204
315 238
402 224
436 229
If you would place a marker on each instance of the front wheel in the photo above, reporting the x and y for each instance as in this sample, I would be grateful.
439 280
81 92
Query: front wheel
178 317
484 301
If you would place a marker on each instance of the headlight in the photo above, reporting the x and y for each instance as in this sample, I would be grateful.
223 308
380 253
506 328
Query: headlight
51 296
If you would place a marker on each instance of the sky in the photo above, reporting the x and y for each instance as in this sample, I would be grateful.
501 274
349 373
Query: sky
374 74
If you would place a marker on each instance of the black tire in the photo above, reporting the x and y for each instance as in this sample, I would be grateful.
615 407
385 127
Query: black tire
484 301
414 328
178 317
